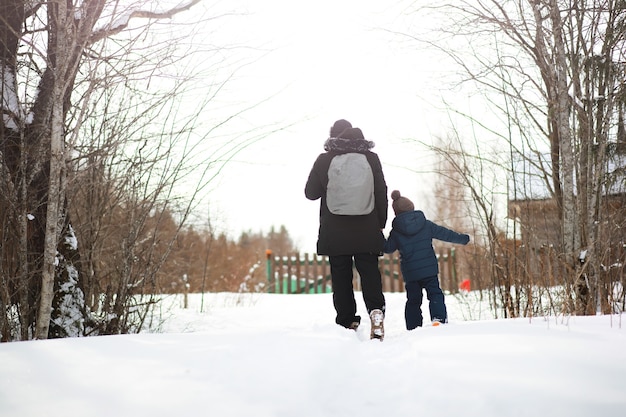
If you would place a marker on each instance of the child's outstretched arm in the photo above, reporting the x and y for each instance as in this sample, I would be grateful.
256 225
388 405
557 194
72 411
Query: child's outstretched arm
447 235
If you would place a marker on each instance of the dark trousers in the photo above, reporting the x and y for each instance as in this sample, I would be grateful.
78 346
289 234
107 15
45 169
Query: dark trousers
413 307
343 293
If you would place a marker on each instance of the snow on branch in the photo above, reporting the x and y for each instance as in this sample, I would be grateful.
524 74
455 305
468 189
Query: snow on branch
12 113
122 21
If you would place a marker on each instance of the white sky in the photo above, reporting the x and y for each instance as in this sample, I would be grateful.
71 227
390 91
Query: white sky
271 355
328 60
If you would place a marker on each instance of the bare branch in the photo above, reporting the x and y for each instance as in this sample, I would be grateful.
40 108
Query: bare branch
123 21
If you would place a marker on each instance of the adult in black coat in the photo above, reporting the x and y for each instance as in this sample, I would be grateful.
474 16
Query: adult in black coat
344 237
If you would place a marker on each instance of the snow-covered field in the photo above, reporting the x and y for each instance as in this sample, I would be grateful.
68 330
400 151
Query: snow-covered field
258 355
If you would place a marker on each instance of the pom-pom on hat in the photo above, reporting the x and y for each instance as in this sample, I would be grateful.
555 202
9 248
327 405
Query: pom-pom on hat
339 126
401 204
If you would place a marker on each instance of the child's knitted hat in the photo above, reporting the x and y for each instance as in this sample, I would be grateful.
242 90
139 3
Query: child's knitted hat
401 204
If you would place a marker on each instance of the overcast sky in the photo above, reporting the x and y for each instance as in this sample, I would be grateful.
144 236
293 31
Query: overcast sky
328 60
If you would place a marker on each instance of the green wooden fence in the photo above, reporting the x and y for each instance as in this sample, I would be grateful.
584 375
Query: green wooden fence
310 274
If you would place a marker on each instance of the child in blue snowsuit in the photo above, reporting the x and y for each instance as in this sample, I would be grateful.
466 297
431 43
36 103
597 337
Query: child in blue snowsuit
412 236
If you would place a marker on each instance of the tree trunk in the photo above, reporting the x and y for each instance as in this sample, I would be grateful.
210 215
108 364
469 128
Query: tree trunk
58 17
54 208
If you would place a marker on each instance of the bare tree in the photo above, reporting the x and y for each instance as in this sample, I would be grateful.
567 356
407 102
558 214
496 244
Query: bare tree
552 74
81 119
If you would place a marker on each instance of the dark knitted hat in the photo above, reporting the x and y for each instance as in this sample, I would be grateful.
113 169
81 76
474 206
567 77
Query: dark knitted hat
339 126
351 133
401 204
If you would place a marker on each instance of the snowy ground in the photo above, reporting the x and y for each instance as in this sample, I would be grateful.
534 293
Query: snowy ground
282 356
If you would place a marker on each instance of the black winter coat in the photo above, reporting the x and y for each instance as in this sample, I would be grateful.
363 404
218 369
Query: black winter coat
412 236
342 234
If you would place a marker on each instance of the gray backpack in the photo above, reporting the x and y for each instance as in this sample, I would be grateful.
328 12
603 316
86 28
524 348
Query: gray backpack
350 189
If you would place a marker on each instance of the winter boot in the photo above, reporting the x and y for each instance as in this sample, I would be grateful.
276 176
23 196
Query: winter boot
378 330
